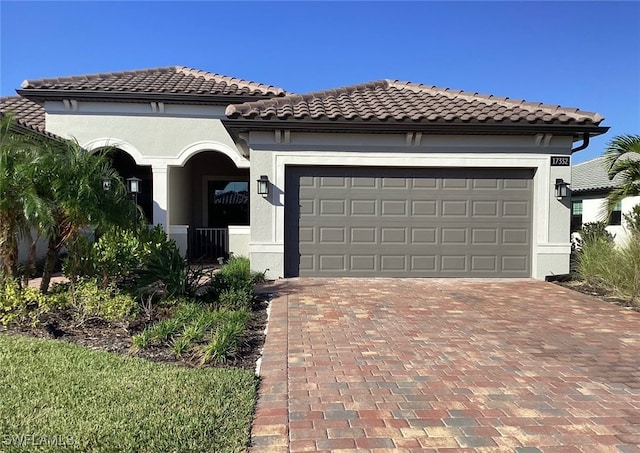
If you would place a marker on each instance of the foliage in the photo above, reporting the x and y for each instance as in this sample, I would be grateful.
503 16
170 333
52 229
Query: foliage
615 269
21 205
623 159
103 402
26 305
92 301
225 341
632 221
143 261
595 231
71 180
232 286
191 326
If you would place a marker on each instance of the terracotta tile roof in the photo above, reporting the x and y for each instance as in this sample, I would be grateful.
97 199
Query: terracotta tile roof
27 113
404 102
592 176
169 80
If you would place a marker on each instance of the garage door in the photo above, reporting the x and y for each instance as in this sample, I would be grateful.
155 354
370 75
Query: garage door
352 221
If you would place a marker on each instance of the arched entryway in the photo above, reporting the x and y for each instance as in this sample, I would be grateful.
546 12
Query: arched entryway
209 194
126 167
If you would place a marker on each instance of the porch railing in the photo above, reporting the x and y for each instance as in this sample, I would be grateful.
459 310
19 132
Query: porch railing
208 244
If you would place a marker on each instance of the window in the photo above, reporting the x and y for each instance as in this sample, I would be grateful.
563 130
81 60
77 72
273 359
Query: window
228 203
576 215
616 215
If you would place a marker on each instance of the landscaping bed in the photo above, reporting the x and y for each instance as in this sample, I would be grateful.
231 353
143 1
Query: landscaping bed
117 337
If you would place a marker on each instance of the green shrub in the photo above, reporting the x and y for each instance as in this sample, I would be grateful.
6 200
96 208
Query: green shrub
92 301
193 324
632 220
225 342
595 231
232 286
26 305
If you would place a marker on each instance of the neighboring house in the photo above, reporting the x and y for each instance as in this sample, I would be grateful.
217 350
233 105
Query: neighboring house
590 186
381 179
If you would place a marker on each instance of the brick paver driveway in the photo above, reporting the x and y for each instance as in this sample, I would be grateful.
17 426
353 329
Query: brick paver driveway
447 365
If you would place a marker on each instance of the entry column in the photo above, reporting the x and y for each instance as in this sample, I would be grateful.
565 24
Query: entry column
160 185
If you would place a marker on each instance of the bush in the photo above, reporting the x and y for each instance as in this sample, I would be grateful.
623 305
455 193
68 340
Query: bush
221 332
92 301
232 286
595 231
632 221
26 305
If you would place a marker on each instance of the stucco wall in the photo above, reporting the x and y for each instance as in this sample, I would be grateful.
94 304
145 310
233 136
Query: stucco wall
272 152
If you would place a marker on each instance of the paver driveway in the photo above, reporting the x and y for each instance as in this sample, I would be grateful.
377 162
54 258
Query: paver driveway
447 365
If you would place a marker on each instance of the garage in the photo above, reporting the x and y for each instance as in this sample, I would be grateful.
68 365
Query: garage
408 222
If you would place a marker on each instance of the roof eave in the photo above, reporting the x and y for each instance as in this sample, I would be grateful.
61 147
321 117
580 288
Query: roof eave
574 130
41 94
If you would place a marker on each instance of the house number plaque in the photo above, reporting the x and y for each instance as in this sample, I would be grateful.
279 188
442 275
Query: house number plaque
560 161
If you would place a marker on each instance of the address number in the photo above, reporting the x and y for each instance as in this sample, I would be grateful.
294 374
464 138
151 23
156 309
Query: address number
560 161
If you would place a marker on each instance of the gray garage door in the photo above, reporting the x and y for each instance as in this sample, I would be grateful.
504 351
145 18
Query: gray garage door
351 221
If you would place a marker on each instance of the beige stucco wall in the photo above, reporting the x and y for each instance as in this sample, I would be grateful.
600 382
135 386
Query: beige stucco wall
272 152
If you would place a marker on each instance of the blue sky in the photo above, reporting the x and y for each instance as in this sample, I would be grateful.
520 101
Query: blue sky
575 54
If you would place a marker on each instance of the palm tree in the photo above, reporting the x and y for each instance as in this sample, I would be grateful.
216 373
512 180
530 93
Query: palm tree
73 182
20 203
623 159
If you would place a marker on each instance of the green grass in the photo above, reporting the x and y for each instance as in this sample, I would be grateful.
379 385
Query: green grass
106 402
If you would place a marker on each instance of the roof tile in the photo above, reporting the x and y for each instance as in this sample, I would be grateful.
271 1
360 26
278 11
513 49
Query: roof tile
396 101
592 175
27 113
173 79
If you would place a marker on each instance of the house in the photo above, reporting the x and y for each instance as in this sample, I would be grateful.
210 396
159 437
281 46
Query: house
590 186
385 178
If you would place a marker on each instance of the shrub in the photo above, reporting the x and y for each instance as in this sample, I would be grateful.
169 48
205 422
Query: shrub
232 286
595 231
193 324
26 305
632 221
92 301
224 343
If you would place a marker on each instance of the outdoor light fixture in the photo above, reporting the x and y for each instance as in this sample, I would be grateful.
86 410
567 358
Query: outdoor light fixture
106 184
133 184
562 189
263 186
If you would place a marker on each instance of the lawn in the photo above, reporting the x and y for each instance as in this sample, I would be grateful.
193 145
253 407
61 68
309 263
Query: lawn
62 394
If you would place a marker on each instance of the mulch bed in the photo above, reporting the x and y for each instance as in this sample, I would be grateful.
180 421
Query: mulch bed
117 338
599 293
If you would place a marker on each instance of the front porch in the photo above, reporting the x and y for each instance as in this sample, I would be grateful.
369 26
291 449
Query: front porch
208 207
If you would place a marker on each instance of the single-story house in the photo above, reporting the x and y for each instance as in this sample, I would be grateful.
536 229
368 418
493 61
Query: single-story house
385 178
590 186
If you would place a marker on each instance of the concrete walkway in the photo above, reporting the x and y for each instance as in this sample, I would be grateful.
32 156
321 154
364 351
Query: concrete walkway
447 365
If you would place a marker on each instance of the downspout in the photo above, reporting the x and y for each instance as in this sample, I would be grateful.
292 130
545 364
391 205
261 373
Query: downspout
585 143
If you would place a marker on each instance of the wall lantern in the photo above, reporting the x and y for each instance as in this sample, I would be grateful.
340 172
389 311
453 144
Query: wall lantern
263 186
106 184
133 184
562 189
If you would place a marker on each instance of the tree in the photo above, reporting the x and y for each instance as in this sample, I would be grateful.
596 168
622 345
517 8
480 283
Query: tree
20 203
623 158
72 181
